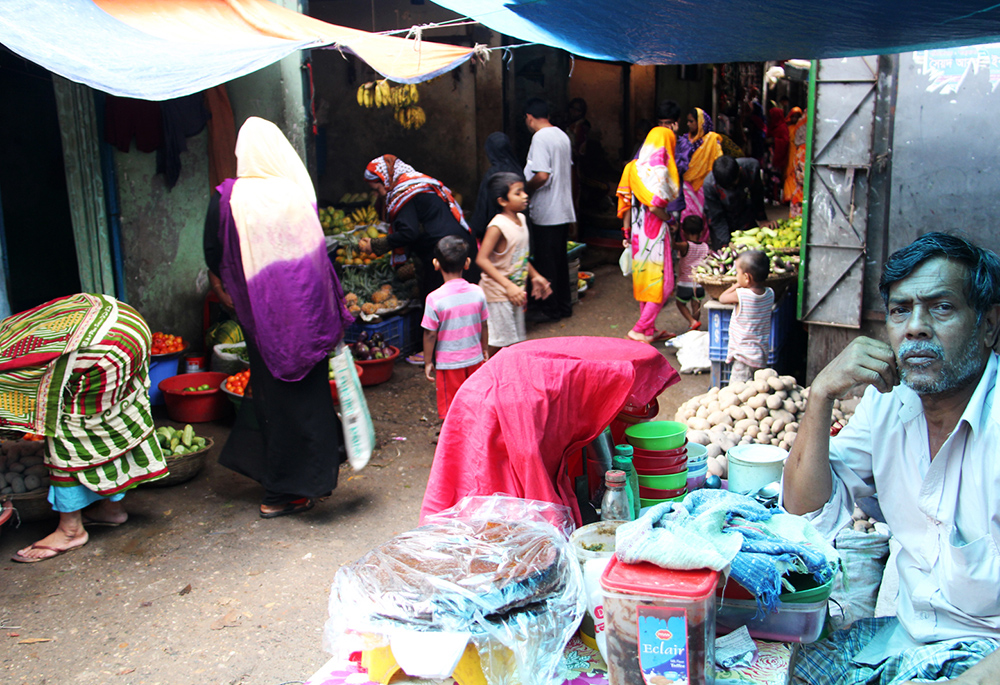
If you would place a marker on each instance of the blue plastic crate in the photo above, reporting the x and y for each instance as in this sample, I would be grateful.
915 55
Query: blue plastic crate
782 319
720 374
402 331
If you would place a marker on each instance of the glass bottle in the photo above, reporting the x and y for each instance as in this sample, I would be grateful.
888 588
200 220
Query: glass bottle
615 505
622 460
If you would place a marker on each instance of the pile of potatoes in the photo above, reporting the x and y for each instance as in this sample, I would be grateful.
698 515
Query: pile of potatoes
22 467
765 410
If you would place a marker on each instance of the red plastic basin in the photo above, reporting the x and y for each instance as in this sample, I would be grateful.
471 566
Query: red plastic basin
655 493
378 370
676 452
641 462
195 406
660 471
333 383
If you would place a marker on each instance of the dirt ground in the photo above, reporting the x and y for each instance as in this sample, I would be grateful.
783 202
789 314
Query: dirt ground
196 588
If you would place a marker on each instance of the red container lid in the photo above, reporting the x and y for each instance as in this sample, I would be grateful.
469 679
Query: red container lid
649 579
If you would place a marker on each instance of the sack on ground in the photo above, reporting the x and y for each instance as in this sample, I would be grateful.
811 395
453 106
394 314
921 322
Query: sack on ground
359 432
855 590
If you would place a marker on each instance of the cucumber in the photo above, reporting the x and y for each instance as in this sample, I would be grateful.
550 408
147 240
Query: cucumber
188 435
174 442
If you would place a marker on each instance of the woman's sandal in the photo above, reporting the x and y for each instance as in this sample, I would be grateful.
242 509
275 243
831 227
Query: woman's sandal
639 337
416 359
296 506
663 335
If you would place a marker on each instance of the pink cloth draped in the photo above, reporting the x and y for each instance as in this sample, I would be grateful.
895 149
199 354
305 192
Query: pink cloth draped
514 425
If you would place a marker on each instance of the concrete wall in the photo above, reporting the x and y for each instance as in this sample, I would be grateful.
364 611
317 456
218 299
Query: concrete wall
162 237
162 229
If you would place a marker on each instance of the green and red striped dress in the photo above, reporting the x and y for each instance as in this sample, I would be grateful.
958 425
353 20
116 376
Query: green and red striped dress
76 370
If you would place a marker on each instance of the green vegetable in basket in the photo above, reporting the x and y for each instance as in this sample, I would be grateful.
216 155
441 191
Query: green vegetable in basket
188 435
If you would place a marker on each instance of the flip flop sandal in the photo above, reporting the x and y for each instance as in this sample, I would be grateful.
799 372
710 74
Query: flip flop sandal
639 337
33 560
416 359
663 335
296 506
695 326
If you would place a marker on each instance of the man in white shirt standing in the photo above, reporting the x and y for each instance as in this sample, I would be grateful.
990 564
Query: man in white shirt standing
550 211
926 440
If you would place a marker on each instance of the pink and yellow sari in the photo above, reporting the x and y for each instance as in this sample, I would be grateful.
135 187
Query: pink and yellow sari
651 180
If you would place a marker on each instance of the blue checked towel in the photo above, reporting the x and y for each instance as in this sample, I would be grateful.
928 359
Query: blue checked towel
717 528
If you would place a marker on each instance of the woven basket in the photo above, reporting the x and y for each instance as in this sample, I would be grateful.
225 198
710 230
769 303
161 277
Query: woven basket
716 285
32 506
182 468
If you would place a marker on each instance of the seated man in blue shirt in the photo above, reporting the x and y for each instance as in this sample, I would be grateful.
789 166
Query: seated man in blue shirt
925 439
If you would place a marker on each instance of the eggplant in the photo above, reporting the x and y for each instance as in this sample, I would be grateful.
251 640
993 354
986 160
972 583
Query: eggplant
361 351
377 340
363 336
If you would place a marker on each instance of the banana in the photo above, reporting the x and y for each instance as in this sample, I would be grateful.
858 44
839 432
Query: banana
413 94
361 95
418 116
382 93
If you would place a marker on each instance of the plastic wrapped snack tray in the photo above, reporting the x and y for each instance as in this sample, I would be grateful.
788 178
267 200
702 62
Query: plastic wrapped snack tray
493 571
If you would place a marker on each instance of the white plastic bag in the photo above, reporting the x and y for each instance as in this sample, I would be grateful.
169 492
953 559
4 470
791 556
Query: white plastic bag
359 433
625 261
692 351
229 358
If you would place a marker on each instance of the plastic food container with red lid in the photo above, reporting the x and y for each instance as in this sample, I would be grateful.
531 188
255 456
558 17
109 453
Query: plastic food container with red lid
660 623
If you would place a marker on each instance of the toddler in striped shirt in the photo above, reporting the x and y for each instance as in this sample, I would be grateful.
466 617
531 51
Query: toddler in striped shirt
750 324
454 323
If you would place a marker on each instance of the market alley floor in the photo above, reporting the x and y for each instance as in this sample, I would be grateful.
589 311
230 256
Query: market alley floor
196 588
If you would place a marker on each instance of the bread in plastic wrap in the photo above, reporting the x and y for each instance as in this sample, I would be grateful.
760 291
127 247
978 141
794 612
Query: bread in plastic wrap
498 568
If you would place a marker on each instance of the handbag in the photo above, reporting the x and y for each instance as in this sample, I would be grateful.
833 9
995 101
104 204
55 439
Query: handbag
359 433
625 261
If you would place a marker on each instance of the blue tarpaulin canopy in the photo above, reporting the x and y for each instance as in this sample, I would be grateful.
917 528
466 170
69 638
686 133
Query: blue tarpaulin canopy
704 31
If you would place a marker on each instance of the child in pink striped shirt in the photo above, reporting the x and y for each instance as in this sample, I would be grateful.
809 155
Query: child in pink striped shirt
454 323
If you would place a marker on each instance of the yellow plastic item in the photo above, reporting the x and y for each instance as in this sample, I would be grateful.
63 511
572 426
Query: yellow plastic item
381 666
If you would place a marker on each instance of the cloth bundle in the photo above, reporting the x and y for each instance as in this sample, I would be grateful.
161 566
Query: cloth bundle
716 528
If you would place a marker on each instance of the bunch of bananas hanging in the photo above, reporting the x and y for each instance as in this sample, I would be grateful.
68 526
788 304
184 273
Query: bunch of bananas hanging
402 99
411 117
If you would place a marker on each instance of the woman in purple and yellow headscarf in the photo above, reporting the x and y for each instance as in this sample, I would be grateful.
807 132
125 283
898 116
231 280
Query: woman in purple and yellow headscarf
648 184
265 245
701 146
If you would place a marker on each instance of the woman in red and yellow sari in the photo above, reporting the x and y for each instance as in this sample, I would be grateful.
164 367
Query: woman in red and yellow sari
701 147
648 184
